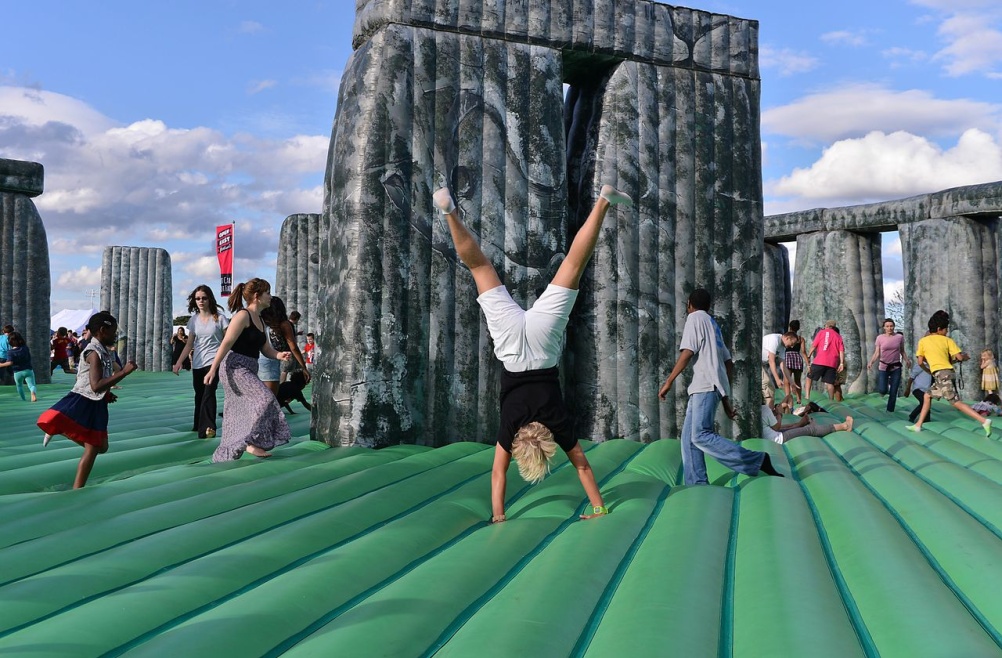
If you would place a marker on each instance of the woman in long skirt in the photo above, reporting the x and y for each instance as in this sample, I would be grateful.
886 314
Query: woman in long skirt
252 419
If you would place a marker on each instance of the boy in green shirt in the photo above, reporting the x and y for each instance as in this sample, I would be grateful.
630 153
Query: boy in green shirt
936 353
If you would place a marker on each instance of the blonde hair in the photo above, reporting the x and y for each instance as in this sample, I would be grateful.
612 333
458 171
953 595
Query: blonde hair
533 448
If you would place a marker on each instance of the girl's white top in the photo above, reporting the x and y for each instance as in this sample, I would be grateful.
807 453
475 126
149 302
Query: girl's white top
82 384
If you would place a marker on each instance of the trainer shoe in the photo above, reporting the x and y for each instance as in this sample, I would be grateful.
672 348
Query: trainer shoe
988 426
443 201
614 196
914 428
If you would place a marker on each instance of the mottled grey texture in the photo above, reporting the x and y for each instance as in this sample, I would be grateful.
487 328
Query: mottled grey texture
839 277
984 200
777 292
21 177
953 264
136 288
297 280
405 354
638 30
697 223
24 276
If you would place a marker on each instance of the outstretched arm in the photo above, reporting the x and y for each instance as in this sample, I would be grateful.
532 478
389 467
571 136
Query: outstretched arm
683 360
499 480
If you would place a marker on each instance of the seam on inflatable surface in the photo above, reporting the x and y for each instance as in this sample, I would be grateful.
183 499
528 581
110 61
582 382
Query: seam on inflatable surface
584 640
991 527
180 619
486 597
920 545
725 646
848 602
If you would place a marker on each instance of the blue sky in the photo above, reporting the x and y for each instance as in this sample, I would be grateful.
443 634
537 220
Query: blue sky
157 121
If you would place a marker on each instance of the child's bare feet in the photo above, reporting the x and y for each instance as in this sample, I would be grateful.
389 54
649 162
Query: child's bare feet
258 452
614 196
34 398
846 426
443 200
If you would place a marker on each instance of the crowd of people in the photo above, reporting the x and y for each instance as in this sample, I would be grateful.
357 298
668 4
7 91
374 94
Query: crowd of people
254 351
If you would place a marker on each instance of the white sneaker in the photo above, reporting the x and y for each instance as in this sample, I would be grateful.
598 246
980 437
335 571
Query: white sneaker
615 197
46 439
443 201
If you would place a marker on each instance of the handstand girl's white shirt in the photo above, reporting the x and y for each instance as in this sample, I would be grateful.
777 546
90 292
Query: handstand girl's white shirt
528 340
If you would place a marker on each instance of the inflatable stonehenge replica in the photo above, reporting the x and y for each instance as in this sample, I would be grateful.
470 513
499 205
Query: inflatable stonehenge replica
950 247
662 102
297 279
136 288
25 285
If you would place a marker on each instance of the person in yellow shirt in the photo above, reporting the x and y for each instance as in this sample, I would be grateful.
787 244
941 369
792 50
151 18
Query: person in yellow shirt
936 353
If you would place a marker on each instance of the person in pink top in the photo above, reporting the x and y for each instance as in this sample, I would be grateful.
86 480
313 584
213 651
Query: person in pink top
830 359
889 349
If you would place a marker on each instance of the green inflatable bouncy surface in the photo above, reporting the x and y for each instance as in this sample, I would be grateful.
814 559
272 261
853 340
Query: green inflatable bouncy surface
879 542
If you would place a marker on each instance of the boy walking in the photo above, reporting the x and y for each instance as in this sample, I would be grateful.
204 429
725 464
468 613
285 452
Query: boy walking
703 346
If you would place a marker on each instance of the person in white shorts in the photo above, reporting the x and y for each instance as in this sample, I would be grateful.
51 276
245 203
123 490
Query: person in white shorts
534 418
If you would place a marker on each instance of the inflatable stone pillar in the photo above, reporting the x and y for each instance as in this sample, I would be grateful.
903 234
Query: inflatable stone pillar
663 103
953 264
24 261
136 288
839 276
777 292
297 280
685 144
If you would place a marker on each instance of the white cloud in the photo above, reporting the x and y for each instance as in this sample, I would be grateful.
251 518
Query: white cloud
857 109
203 267
250 27
897 55
786 61
80 278
257 86
845 37
972 33
886 166
146 181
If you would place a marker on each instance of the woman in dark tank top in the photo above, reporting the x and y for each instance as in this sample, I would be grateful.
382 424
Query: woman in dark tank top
252 419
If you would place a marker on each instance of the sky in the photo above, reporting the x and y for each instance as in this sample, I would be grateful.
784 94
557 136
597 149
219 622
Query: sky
157 121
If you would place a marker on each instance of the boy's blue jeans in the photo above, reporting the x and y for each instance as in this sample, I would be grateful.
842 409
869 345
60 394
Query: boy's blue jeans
699 437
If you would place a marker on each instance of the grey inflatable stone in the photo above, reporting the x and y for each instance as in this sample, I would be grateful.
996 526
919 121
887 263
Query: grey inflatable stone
25 286
663 103
297 280
21 177
777 292
953 264
136 287
839 276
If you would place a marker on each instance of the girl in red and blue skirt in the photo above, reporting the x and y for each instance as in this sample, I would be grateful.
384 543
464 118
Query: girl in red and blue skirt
82 415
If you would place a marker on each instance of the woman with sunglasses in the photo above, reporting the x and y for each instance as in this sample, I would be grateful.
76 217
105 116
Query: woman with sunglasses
205 332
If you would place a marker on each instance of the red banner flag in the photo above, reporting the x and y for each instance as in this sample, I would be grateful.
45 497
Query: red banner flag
224 252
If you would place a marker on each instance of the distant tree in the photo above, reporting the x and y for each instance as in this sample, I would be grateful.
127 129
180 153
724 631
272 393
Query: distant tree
895 308
181 320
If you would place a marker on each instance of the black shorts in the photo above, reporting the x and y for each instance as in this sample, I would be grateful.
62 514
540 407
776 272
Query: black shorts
826 374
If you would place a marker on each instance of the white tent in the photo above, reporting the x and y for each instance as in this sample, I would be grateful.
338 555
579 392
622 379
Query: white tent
72 319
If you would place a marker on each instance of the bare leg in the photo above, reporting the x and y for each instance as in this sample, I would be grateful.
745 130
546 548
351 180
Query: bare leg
258 452
85 465
964 408
807 388
467 247
587 477
569 273
926 404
